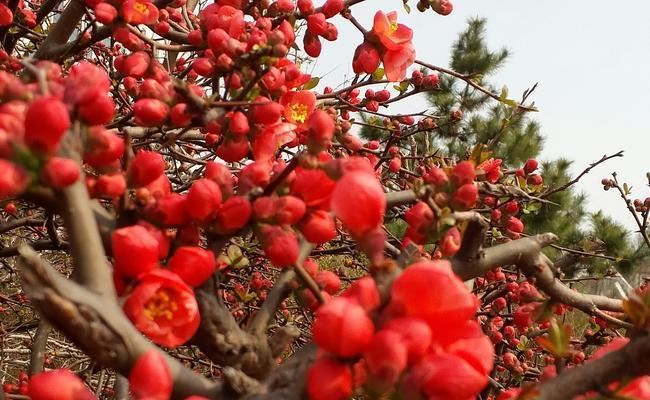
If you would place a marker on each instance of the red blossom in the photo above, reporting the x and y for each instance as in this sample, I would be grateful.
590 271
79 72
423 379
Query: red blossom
135 250
139 12
46 122
60 172
192 264
150 377
68 386
329 379
342 327
163 308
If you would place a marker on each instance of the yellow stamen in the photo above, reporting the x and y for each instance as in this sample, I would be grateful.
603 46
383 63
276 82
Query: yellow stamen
161 304
141 7
299 112
393 27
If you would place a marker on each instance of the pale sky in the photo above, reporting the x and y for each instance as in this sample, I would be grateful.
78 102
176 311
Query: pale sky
592 62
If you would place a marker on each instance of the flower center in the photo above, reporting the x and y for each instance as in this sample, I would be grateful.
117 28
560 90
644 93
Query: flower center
299 112
161 305
393 27
141 7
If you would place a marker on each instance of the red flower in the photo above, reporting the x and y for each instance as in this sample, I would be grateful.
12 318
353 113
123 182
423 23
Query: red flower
139 12
329 379
280 246
364 291
267 142
393 36
450 242
163 307
105 13
366 59
491 168
386 357
321 130
465 196
313 186
203 199
135 250
318 227
359 201
431 291
342 327
416 335
150 377
193 264
13 179
46 122
442 7
111 185
297 107
59 172
6 16
146 167
289 210
150 112
67 385
463 173
233 214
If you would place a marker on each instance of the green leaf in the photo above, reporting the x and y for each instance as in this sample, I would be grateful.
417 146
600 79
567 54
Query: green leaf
378 74
504 93
407 8
627 189
312 83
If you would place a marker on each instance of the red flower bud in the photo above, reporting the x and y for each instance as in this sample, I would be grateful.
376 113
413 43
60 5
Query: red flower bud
68 386
515 225
203 199
450 242
364 291
416 335
342 327
328 281
267 112
442 7
531 165
233 214
13 179
366 59
110 185
280 246
193 264
321 130
46 122
6 16
306 7
436 176
463 173
146 167
135 250
318 227
312 44
359 201
386 357
105 13
333 7
150 112
465 196
59 172
150 377
238 123
329 379
97 110
419 289
317 24
289 210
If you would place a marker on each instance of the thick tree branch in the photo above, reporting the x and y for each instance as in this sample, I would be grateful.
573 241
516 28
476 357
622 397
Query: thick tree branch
61 32
97 325
631 361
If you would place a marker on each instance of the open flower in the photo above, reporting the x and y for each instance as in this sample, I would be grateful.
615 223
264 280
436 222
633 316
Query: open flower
163 307
297 107
139 12
391 34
